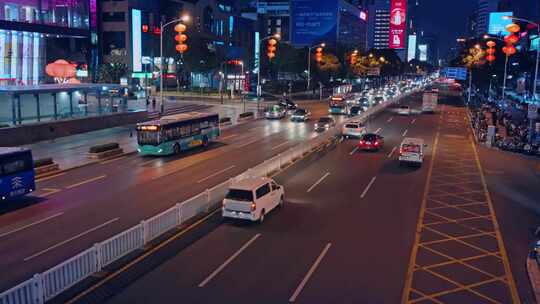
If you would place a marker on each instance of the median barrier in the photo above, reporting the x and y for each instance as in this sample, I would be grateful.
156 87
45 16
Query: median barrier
49 284
45 166
225 121
104 151
246 116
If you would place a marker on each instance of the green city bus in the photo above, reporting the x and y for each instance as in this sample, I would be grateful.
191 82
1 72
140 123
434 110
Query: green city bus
176 133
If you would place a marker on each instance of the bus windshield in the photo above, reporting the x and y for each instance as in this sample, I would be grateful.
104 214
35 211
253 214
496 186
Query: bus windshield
148 137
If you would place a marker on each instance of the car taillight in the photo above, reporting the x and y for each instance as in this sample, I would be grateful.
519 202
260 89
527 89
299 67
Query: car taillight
253 206
376 143
400 151
361 142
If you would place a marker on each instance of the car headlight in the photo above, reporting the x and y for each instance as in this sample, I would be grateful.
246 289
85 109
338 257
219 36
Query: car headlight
160 150
139 150
316 125
329 110
326 125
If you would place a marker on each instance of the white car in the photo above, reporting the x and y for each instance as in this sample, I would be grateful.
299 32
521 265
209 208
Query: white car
353 129
404 110
252 198
411 151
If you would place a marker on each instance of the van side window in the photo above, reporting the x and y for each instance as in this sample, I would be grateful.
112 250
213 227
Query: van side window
263 190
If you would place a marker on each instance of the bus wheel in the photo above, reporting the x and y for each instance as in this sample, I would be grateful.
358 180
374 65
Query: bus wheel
205 142
176 149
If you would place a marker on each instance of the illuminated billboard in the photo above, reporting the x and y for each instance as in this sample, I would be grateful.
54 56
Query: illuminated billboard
411 51
422 49
398 24
497 24
136 38
313 21
535 43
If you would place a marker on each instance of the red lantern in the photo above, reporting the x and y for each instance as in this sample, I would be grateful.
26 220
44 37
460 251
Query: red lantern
490 58
180 28
181 48
272 41
271 55
512 28
181 37
319 50
511 39
490 51
509 50
491 43
271 48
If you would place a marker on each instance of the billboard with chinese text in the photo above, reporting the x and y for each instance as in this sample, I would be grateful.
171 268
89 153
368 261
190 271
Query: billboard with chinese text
313 21
398 24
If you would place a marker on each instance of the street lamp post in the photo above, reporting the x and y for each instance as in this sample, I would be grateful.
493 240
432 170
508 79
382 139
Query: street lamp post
505 65
162 27
309 62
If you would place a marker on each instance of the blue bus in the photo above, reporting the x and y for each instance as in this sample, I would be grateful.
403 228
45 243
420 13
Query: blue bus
176 133
17 176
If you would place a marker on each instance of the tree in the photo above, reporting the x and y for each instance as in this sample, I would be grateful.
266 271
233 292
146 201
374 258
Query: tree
112 72
329 67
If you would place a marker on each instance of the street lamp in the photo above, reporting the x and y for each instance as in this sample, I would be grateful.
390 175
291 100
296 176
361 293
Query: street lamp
309 61
537 49
183 19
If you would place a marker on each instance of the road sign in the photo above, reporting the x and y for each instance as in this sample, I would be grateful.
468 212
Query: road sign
533 111
455 73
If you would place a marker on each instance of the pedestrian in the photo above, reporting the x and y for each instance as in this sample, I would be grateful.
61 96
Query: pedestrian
154 103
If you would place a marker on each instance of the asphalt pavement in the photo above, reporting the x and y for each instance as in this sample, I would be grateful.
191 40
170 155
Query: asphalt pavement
71 211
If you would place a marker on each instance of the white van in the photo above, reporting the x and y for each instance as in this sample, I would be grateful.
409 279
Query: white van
411 151
251 199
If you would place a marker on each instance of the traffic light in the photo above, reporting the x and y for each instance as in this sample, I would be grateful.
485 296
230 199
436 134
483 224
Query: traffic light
181 38
318 54
271 48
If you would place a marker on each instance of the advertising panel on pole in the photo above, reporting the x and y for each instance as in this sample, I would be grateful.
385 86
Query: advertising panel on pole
422 49
314 21
398 24
411 52
136 39
498 23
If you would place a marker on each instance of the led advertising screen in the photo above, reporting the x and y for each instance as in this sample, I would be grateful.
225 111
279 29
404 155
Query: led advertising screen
411 51
398 24
497 24
314 21
535 43
422 49
136 38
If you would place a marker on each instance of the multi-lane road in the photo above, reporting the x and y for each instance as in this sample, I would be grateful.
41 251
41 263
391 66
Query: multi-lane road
356 227
73 210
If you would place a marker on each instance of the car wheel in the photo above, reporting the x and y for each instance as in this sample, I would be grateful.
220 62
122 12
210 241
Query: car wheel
176 148
261 217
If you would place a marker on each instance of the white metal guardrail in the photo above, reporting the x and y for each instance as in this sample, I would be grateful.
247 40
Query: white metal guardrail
45 286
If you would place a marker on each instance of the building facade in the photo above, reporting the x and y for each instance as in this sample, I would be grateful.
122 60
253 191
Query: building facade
379 24
34 33
484 8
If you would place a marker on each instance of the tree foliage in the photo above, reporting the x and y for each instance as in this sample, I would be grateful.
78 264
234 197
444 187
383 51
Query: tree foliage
112 72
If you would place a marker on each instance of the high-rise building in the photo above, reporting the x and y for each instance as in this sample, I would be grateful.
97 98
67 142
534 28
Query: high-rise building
483 9
378 24
34 33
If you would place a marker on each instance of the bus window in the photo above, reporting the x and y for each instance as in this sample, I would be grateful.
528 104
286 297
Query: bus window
195 128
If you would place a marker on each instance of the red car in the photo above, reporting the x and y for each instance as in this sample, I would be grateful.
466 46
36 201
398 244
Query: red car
371 141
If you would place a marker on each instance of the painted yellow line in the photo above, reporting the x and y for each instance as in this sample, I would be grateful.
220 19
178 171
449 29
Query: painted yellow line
140 258
87 181
49 177
408 278
50 191
230 136
112 160
502 249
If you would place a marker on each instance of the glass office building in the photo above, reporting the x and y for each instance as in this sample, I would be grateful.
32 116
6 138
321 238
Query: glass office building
34 33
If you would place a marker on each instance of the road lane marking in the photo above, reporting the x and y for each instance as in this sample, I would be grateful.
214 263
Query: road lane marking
392 152
354 150
249 143
309 273
215 174
87 181
230 136
318 182
112 160
229 260
405 132
31 224
378 130
49 192
280 145
71 239
49 177
390 119
413 121
368 186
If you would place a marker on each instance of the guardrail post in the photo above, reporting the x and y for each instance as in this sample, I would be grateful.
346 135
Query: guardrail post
38 293
280 162
208 202
179 213
97 252
144 226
